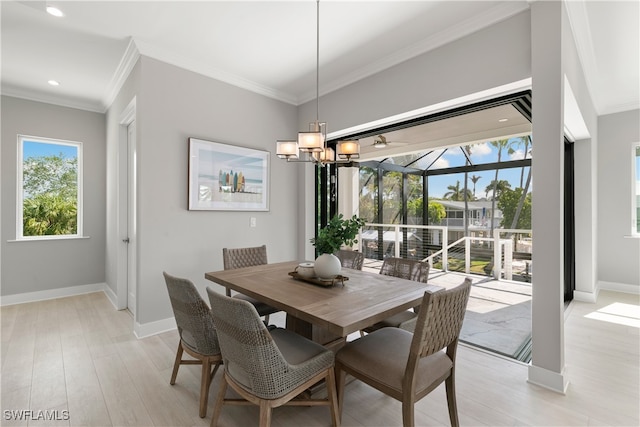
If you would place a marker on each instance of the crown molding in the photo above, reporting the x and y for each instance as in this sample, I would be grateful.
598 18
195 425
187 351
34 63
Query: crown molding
128 61
581 32
618 108
54 99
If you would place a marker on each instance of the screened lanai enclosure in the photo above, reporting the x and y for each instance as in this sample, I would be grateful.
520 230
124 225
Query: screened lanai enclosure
454 188
458 199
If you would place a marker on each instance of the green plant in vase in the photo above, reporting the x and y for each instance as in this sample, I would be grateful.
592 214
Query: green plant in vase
338 232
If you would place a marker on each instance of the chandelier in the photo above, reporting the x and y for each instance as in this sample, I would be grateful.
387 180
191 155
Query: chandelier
313 142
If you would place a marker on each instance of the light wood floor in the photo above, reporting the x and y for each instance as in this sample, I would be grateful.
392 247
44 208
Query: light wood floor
79 355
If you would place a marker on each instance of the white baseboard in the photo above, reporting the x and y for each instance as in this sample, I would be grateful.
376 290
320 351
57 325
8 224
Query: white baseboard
582 296
140 330
111 296
51 294
143 330
553 381
619 287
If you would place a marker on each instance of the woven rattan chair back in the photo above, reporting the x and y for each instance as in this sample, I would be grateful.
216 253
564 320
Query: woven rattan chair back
440 320
193 316
256 368
406 269
350 259
197 334
251 356
244 257
248 257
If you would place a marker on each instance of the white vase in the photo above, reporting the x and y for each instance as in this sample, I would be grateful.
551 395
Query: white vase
327 266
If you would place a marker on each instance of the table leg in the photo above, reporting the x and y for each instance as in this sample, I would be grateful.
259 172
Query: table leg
315 333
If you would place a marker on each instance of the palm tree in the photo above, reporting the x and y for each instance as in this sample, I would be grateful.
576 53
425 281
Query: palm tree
498 186
474 179
467 149
455 193
500 144
521 141
523 196
525 190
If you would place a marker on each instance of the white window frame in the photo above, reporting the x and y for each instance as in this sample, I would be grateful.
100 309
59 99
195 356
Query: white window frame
635 191
19 193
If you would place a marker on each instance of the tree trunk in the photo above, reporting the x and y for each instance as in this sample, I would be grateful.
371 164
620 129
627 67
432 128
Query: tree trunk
466 207
523 196
493 199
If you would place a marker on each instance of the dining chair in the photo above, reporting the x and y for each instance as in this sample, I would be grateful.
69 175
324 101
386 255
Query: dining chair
410 269
197 332
247 257
266 367
350 259
408 366
403 268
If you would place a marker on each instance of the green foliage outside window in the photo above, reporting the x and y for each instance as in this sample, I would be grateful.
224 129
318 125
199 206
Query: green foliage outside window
50 195
508 204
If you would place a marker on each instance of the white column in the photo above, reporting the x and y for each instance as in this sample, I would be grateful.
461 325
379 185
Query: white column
349 193
547 365
306 210
586 208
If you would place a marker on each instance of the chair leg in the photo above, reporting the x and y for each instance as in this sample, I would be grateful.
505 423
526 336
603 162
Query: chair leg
407 414
450 386
204 386
265 414
213 373
266 319
176 364
333 398
340 377
219 402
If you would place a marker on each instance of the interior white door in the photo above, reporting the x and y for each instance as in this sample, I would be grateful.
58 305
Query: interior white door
131 218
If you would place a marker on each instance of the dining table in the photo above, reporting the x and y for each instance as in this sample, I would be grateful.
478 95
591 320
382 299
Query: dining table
325 314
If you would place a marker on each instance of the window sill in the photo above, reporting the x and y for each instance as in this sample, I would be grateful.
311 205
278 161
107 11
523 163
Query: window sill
632 236
49 239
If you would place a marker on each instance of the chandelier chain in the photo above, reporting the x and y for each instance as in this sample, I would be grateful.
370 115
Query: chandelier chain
317 61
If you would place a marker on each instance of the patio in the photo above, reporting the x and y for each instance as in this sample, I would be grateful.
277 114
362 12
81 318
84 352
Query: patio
498 315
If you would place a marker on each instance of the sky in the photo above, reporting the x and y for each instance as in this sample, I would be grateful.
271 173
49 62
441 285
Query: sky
38 149
480 154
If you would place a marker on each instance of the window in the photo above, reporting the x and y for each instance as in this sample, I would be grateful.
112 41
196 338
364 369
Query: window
636 193
49 197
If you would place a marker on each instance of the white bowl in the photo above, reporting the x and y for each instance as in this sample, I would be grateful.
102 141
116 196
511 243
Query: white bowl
305 269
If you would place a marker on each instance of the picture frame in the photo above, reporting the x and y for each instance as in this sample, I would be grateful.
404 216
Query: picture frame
225 177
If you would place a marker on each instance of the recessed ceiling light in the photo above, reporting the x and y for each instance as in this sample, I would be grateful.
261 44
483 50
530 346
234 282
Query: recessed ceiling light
51 10
54 82
503 120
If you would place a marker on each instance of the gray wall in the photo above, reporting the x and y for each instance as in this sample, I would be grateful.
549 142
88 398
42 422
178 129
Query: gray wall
172 105
45 265
618 257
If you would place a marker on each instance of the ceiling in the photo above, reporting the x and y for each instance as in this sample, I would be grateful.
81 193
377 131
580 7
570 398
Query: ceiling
500 122
269 46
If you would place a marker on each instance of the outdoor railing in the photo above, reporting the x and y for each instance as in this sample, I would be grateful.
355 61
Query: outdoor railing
506 255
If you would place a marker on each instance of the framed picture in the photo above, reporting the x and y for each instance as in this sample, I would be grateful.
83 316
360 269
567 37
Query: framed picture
225 177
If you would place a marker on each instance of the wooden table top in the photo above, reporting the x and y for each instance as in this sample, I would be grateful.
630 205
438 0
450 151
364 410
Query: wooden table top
366 298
